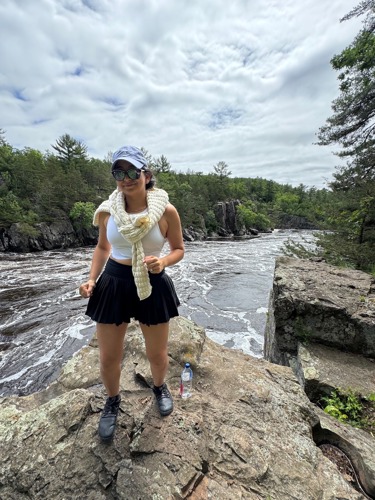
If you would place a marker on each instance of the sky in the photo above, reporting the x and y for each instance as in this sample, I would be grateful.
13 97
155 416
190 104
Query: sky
247 82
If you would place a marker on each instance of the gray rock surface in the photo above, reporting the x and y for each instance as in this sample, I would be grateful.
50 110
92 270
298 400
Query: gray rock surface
357 445
226 216
44 236
246 433
314 302
325 368
287 221
321 323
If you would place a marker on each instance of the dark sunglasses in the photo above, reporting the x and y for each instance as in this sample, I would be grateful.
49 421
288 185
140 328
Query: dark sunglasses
131 173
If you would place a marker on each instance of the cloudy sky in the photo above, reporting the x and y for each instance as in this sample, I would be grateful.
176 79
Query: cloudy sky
247 82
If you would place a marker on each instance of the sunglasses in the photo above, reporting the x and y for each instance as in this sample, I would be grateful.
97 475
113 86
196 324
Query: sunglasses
131 173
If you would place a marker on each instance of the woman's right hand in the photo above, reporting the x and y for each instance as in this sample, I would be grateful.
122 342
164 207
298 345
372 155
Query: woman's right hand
87 289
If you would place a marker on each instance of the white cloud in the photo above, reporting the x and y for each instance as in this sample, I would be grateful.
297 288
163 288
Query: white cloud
245 82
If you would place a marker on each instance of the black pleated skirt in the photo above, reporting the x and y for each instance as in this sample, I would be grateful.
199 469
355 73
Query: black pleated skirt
115 298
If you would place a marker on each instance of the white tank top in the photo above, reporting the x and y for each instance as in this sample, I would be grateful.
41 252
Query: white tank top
152 243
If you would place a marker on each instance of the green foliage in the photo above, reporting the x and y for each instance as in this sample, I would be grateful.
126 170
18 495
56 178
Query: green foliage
81 215
253 219
70 151
347 406
38 187
351 212
10 210
28 230
288 203
161 165
210 221
222 170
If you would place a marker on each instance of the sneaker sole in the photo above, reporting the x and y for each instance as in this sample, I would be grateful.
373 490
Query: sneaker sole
106 440
165 414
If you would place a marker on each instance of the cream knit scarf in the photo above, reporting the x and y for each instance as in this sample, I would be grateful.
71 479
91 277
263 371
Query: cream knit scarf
157 200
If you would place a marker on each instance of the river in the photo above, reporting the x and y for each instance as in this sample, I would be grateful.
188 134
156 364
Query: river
223 285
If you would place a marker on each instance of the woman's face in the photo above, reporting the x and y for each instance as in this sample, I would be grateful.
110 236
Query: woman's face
129 184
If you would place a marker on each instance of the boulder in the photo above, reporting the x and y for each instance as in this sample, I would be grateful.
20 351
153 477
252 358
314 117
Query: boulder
192 234
314 302
246 432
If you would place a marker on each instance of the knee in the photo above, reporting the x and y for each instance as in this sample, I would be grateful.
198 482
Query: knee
159 358
109 361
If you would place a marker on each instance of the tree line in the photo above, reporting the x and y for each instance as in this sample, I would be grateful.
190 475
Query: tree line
37 187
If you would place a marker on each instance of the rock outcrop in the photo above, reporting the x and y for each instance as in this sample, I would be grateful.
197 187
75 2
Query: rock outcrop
45 236
226 216
314 302
246 433
287 221
321 323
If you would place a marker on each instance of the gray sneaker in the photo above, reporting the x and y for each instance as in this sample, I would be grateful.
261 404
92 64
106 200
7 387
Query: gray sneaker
163 399
108 418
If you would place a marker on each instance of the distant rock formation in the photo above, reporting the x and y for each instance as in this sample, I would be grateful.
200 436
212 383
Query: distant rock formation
226 216
287 221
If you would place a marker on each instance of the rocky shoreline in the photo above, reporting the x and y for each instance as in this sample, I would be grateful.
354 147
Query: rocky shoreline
248 432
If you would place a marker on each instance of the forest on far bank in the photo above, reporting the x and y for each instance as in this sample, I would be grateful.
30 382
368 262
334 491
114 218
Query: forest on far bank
36 187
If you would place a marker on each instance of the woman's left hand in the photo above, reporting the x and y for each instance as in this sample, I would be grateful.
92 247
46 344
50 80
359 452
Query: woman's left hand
154 264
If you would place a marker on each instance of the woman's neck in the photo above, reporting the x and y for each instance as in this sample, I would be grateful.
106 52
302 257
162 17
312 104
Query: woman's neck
135 206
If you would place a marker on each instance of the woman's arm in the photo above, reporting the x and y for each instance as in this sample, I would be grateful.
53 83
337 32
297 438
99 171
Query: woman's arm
174 237
170 225
99 258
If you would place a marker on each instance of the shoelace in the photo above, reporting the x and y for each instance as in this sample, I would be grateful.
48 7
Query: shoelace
164 392
111 406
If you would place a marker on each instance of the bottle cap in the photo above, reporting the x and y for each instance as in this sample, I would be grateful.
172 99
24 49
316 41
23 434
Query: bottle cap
187 365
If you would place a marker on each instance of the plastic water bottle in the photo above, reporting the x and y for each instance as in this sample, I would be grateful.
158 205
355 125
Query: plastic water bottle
186 381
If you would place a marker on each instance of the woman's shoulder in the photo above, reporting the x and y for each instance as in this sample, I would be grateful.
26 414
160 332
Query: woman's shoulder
103 218
170 209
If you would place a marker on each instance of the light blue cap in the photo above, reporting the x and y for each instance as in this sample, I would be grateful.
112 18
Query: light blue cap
131 154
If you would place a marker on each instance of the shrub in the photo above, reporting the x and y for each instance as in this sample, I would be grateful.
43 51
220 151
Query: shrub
81 215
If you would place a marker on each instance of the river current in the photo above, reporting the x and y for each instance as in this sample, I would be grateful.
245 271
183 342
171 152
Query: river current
223 285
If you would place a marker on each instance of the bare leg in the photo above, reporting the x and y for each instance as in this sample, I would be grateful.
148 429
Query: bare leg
156 339
111 347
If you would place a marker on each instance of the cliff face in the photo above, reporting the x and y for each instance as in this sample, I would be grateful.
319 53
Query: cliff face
286 221
321 323
247 432
314 302
59 234
226 216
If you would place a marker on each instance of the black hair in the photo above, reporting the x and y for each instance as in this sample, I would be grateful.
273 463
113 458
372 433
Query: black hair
152 180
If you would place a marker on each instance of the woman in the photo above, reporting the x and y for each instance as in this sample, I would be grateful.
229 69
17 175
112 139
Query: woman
134 224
